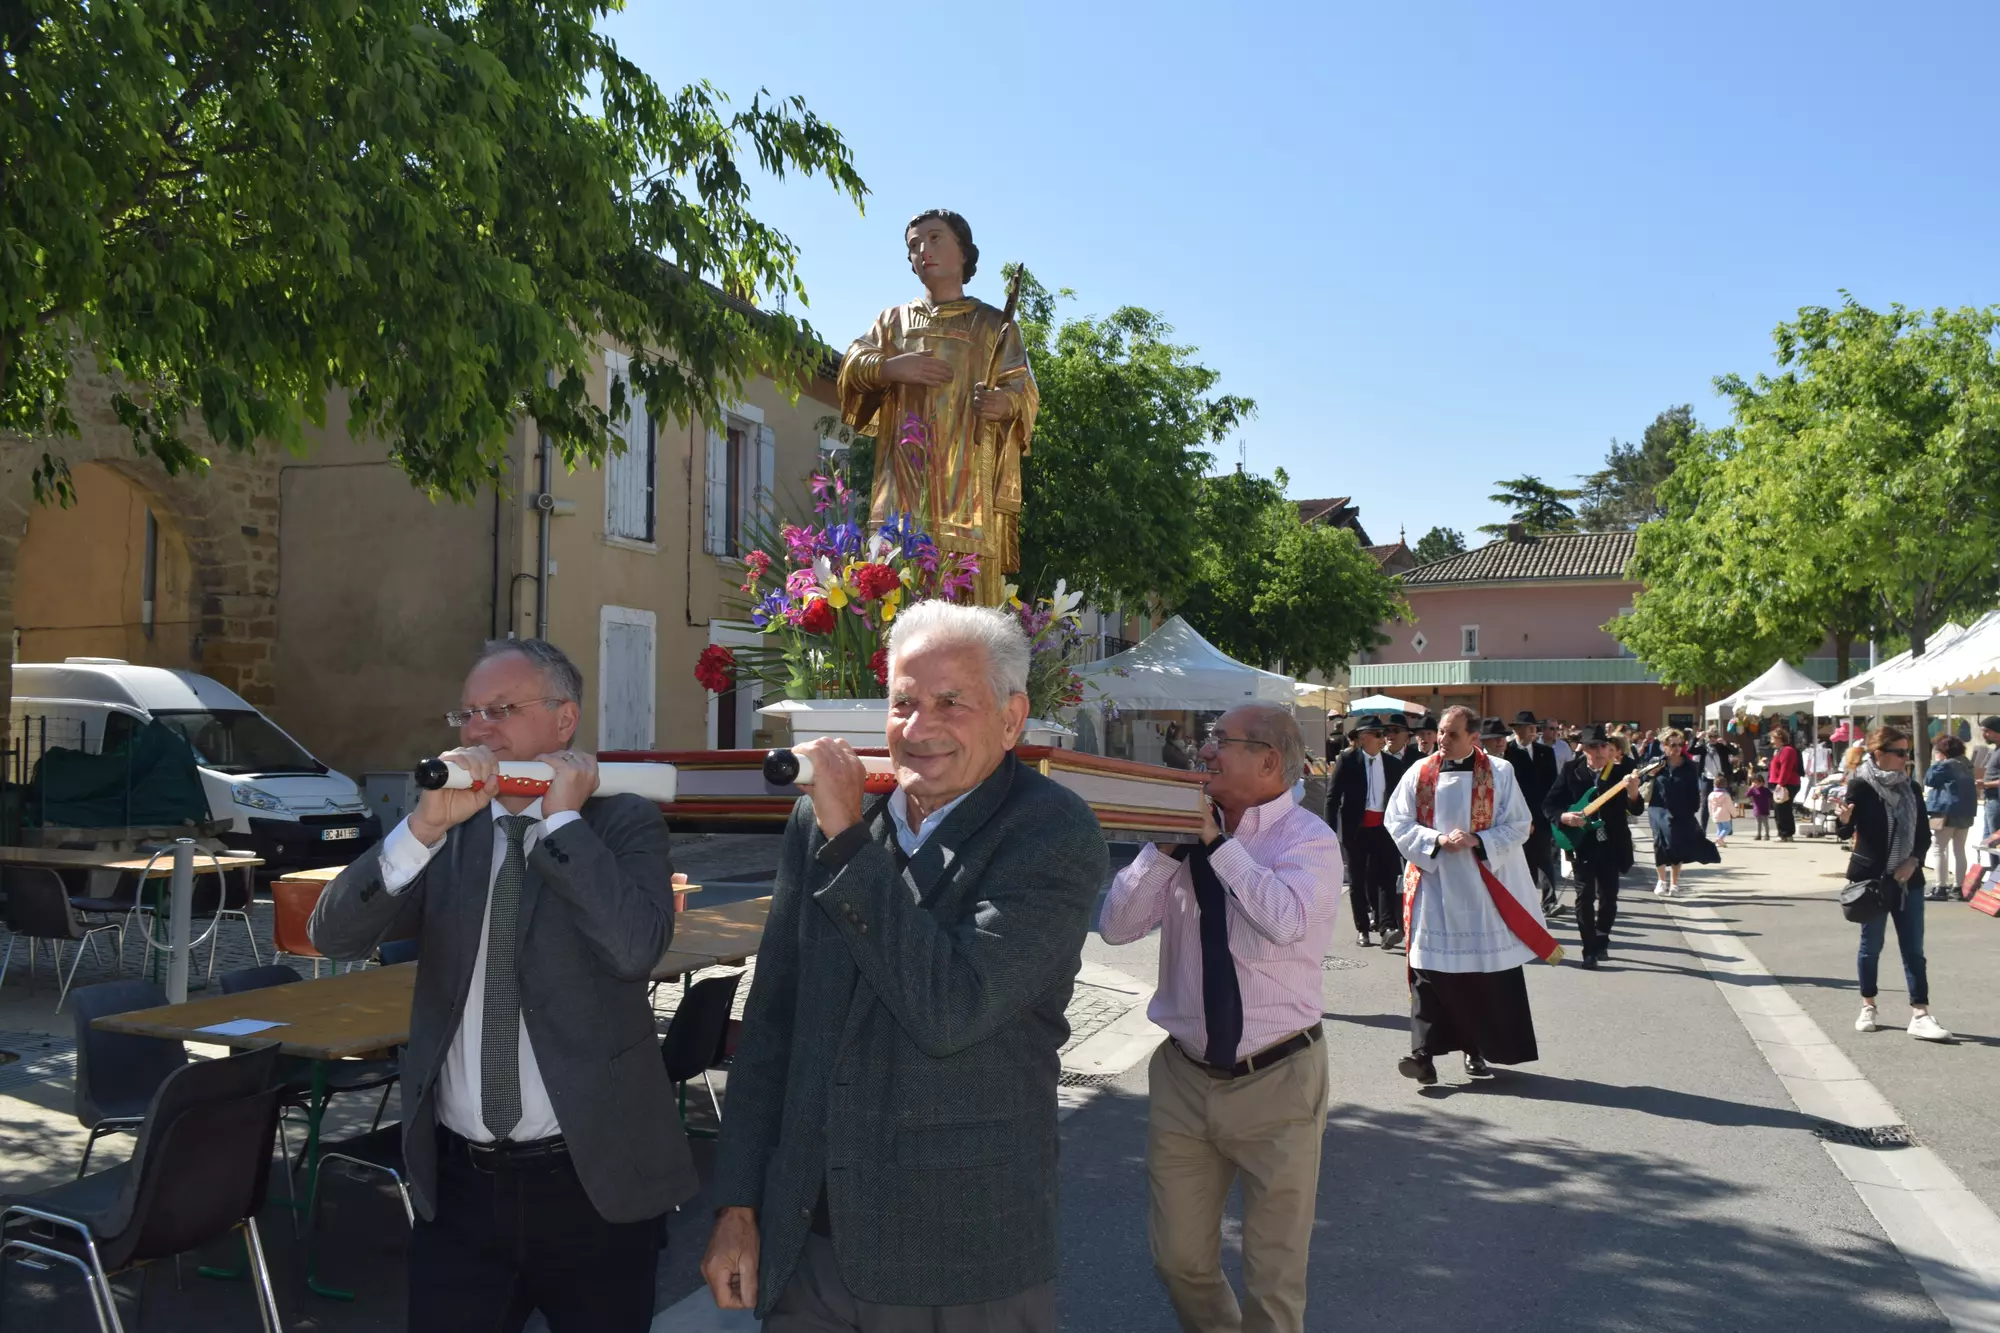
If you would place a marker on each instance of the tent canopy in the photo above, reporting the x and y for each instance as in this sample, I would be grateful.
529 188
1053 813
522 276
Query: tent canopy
1783 686
1381 703
1964 664
1175 668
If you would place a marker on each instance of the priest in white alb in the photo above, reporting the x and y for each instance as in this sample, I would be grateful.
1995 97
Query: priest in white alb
1471 910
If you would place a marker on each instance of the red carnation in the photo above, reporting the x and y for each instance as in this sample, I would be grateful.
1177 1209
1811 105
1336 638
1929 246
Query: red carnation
874 582
879 664
715 670
817 617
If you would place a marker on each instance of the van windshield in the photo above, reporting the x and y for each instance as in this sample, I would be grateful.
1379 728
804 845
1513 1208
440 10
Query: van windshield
240 741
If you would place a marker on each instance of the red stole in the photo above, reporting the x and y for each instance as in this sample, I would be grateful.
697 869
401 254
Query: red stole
1518 918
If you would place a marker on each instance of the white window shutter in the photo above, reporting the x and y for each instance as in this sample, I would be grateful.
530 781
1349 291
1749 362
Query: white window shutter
628 476
763 501
625 678
716 527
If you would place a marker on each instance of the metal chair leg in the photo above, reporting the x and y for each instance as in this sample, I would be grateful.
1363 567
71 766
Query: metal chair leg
8 959
62 990
380 1107
711 1096
267 1300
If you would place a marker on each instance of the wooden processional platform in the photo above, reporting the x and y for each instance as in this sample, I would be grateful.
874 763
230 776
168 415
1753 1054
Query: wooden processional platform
724 791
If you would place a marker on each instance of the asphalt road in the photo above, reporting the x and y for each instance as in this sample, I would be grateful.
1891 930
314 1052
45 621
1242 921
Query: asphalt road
1649 1172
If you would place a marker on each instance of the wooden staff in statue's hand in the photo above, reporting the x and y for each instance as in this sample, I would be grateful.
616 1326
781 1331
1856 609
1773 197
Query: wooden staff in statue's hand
989 401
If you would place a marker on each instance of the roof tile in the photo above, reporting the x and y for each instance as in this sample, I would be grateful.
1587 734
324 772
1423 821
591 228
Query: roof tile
1552 556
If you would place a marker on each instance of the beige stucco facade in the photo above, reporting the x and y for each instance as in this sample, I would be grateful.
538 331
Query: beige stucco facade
327 590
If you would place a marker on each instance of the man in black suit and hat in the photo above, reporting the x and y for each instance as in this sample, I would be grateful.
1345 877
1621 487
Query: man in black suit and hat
1493 736
1603 852
1396 734
1427 736
1536 770
1364 777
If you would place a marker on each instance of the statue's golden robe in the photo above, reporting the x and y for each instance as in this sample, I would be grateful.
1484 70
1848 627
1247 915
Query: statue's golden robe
967 492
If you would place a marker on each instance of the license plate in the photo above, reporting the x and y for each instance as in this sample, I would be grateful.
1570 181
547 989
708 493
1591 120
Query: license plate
338 834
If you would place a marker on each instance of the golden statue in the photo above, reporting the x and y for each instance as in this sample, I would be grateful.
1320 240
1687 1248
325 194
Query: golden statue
949 370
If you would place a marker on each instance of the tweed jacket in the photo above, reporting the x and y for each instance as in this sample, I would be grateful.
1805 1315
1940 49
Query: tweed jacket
597 911
900 1047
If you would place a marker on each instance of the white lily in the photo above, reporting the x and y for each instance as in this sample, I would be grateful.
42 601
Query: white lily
1064 603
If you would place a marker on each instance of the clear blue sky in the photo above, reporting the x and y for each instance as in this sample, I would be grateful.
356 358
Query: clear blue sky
1438 244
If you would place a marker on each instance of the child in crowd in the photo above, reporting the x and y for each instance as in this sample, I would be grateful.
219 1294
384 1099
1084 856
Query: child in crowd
1760 805
1722 812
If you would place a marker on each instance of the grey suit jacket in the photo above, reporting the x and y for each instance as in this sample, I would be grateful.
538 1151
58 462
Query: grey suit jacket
597 910
900 1047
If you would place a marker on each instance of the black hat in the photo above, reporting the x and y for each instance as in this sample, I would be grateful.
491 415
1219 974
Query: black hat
1365 722
1493 729
1989 724
1428 722
1397 720
1594 734
1526 718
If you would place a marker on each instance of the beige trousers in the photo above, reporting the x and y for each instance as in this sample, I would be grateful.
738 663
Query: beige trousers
1201 1133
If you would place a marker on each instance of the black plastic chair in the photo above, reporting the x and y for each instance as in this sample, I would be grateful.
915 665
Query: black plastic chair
199 1171
117 1075
696 1038
38 908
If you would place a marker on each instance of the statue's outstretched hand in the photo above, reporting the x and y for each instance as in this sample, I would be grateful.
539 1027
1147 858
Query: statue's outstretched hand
917 368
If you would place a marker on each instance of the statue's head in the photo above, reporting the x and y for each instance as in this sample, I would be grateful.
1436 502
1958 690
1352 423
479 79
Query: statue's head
942 238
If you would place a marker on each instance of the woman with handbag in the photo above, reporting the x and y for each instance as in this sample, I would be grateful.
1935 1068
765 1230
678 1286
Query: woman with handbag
1951 801
1787 772
1891 835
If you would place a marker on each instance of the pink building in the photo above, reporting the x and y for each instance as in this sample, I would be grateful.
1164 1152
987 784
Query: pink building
1519 623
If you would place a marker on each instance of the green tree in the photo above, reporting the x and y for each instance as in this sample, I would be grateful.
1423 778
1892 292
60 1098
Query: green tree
240 208
1438 544
1121 442
1873 462
1625 492
1537 506
1273 591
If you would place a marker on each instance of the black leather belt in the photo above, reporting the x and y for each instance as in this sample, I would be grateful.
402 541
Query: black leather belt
507 1155
1263 1059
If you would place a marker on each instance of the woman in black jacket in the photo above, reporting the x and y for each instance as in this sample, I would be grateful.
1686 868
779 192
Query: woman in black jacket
1885 815
1675 812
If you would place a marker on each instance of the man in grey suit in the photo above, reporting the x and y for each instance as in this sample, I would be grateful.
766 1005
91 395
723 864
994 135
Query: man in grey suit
888 1154
542 1163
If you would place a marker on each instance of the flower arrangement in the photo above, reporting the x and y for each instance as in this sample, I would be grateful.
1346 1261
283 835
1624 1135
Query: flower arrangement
824 595
1055 637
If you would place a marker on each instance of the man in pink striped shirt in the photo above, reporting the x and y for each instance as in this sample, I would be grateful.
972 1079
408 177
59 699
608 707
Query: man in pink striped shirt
1240 1084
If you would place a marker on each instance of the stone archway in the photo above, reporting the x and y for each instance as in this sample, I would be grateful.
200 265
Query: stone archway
227 518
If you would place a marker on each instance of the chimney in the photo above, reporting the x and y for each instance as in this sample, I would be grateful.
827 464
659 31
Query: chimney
1516 533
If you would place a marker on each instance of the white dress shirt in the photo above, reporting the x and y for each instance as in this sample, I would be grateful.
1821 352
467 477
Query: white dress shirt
458 1101
1371 764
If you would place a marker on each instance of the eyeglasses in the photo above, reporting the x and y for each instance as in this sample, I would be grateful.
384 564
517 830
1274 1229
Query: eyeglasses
496 713
1219 739
1900 754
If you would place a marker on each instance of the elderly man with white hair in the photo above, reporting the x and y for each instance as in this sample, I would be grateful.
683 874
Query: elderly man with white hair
1240 1086
888 1160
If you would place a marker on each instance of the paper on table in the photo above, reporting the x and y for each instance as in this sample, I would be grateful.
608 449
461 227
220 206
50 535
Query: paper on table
239 1027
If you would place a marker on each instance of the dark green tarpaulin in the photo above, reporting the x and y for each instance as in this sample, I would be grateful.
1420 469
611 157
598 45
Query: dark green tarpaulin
149 782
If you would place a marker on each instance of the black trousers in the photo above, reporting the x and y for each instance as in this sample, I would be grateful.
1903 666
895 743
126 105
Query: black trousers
1374 878
1596 898
506 1243
1787 812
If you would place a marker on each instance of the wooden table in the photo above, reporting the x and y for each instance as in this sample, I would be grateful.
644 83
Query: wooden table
714 936
71 858
356 1013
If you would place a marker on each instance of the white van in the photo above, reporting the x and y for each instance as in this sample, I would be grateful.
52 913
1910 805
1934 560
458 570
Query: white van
271 797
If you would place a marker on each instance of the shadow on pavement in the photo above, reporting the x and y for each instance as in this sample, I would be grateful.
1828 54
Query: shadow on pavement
1441 1220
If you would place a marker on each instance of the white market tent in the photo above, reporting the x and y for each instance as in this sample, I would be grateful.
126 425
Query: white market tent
1175 669
1783 687
1969 663
1381 703
1873 688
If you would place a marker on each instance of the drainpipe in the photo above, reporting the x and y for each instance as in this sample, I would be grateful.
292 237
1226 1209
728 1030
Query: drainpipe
543 510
